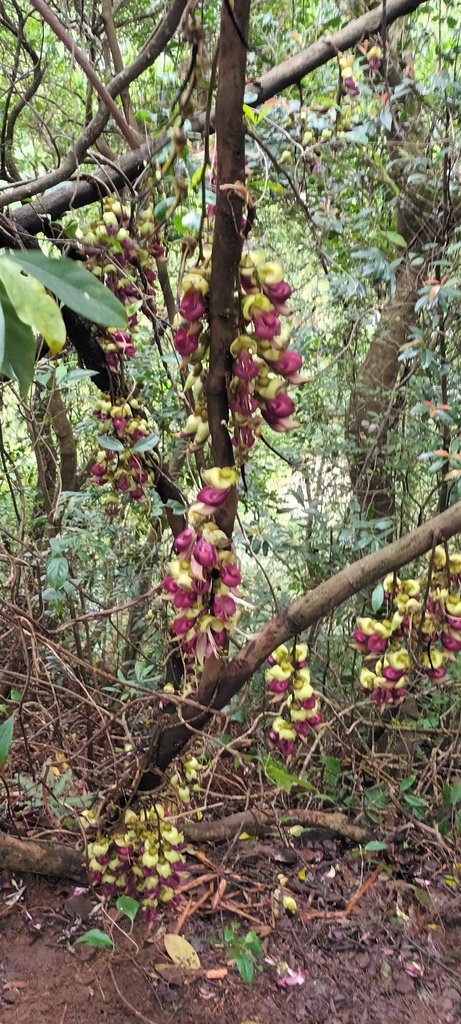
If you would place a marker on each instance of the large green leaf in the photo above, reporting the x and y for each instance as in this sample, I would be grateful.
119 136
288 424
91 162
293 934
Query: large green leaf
33 305
19 346
6 738
76 287
2 336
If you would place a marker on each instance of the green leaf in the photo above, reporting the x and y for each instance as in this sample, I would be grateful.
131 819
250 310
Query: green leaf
407 783
74 376
32 304
395 238
57 570
253 943
283 779
97 938
161 210
76 287
375 845
19 346
6 738
128 906
110 442
2 336
455 793
145 444
245 967
377 597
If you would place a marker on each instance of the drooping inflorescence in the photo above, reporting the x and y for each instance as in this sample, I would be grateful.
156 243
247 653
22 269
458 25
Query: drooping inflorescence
418 636
123 248
288 682
263 367
143 861
203 580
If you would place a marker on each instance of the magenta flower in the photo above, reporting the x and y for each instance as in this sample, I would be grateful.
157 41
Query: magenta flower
192 306
224 607
205 554
244 437
243 403
200 586
245 367
170 585
213 496
376 644
279 685
123 483
315 720
266 324
451 643
184 599
230 575
309 703
181 625
185 541
280 406
436 673
392 674
277 293
288 365
119 424
185 341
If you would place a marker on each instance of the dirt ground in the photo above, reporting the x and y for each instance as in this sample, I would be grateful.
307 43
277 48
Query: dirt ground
393 955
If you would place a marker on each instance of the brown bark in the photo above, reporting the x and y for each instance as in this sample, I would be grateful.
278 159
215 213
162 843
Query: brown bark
258 822
60 861
227 239
375 404
54 859
65 437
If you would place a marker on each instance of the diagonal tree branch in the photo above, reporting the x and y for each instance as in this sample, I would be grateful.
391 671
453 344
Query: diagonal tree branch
291 71
148 55
66 39
290 622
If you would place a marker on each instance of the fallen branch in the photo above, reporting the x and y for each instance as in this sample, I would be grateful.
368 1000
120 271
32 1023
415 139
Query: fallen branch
257 822
60 861
54 859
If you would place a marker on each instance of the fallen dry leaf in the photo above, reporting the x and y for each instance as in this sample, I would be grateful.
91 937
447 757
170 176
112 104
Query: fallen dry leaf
181 952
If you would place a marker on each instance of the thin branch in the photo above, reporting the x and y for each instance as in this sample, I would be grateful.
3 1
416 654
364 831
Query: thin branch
148 55
66 39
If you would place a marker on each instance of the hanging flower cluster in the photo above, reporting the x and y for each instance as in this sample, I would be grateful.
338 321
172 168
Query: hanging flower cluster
417 636
144 861
124 246
374 57
185 780
124 435
288 681
347 75
203 579
263 365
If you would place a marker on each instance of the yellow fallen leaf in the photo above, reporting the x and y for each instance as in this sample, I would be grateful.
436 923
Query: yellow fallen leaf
181 952
244 835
